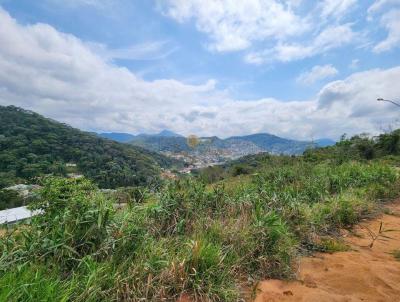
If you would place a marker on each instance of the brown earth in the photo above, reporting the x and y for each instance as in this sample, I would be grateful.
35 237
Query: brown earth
365 273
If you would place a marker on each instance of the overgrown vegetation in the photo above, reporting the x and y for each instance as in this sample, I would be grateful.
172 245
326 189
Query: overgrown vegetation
10 199
206 240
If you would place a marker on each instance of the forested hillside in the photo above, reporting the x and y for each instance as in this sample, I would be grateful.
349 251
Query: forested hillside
204 242
32 145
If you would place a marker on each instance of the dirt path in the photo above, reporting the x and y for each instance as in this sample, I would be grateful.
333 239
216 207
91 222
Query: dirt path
362 274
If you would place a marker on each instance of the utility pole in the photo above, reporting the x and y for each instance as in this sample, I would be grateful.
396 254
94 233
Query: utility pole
390 101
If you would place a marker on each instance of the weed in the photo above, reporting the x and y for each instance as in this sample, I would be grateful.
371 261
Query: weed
396 254
186 238
329 245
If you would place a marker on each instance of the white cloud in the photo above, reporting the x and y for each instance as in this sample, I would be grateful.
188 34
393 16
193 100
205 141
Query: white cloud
153 50
270 30
390 21
335 8
235 25
380 4
330 38
58 75
317 73
354 64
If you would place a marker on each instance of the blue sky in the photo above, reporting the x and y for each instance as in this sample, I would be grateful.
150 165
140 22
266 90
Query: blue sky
295 68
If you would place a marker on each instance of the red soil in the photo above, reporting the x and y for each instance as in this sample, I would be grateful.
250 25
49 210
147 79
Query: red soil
362 274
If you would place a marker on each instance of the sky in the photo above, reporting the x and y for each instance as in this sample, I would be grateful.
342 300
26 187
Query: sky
300 69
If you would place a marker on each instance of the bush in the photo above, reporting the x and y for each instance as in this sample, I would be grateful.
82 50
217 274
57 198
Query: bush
10 199
73 222
187 238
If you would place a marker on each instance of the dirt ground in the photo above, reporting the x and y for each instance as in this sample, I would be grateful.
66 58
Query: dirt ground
363 273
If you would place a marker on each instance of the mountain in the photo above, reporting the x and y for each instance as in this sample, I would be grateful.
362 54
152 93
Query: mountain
275 144
122 137
161 143
117 136
32 145
231 147
168 133
324 142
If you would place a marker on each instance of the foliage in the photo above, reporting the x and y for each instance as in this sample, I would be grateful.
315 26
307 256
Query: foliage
190 237
329 245
359 147
10 199
33 146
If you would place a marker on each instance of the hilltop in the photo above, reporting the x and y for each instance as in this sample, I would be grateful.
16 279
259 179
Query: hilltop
32 145
123 137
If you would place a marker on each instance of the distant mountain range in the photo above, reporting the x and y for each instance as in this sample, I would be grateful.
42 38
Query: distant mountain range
236 146
324 142
126 137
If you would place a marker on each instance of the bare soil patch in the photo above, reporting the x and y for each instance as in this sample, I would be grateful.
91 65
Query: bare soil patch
368 272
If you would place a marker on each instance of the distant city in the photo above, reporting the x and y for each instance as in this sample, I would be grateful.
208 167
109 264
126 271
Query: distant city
208 151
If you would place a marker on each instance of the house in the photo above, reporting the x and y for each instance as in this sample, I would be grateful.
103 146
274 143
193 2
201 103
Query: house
14 215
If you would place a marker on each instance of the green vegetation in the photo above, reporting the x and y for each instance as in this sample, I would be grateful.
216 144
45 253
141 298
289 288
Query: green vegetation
32 146
190 237
359 147
384 148
332 245
396 254
10 199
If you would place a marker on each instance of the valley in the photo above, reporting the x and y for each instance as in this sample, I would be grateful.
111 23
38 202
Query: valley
209 151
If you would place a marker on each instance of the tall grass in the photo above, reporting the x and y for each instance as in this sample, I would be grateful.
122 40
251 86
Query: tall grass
187 238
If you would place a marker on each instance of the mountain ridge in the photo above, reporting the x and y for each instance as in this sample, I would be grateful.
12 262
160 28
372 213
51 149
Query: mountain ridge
32 145
236 146
123 137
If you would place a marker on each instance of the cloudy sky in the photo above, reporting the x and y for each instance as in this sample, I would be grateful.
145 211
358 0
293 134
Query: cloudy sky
296 68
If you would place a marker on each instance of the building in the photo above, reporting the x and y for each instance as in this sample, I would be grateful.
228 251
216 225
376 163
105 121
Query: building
14 215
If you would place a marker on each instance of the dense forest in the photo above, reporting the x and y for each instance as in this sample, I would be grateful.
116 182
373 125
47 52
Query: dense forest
32 145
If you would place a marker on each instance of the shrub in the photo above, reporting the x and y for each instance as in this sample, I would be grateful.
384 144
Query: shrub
73 221
186 238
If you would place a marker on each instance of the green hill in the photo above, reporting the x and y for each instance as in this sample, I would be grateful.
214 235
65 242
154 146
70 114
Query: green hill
32 145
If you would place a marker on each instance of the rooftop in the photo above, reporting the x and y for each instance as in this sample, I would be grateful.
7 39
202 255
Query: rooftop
16 214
